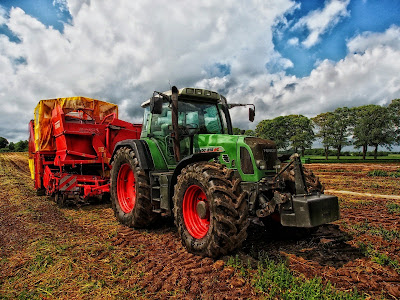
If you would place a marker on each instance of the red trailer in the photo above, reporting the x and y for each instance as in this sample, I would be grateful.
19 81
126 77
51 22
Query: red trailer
70 146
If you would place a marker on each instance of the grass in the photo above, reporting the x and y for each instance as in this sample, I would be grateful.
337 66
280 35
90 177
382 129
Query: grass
378 173
67 256
277 281
393 208
353 159
382 173
380 258
274 280
388 235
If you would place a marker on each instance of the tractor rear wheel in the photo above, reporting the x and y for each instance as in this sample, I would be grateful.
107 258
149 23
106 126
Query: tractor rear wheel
130 190
210 209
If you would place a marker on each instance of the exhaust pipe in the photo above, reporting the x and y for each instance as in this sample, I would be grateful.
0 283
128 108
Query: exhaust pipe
175 127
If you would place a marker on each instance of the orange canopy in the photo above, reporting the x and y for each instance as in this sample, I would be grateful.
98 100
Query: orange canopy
43 128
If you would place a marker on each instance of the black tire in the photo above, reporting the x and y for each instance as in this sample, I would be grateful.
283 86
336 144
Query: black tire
227 209
41 192
141 215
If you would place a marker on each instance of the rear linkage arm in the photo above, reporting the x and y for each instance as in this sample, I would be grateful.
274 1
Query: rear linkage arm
268 207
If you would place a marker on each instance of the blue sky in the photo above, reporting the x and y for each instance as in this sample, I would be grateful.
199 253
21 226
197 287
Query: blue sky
48 12
369 15
285 56
363 15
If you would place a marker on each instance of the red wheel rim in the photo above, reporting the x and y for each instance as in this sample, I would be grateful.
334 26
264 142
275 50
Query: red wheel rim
197 226
126 190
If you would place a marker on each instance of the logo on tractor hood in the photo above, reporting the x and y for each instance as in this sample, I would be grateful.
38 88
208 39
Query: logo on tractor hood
269 150
209 149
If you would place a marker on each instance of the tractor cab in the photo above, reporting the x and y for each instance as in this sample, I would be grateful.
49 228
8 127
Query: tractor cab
199 113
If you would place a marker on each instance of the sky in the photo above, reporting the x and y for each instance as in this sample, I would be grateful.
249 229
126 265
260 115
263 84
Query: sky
285 56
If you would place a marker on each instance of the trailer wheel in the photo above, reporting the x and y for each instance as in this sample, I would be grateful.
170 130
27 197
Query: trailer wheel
210 210
130 190
60 199
41 192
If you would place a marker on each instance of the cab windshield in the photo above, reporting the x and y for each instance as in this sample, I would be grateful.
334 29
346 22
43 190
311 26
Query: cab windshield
204 117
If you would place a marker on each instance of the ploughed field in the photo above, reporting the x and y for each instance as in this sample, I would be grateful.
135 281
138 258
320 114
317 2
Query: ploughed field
83 253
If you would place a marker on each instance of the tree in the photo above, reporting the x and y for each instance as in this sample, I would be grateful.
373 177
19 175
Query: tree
394 110
21 146
301 132
341 122
250 132
374 126
383 133
276 130
361 128
11 146
325 124
236 131
3 142
294 130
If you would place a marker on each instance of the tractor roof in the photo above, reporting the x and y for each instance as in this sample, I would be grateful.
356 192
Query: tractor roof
193 94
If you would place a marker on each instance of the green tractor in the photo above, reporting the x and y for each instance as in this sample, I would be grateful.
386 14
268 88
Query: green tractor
188 164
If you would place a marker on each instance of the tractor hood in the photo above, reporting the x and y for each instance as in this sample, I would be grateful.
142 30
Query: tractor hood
214 143
252 157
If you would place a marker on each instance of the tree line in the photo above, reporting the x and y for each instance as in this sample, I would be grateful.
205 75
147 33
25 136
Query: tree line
5 146
363 126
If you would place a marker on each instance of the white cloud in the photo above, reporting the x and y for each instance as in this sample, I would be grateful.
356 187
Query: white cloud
293 41
319 21
3 15
390 38
370 77
62 5
121 53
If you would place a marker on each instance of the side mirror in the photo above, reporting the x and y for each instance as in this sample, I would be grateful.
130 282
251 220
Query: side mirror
156 105
252 114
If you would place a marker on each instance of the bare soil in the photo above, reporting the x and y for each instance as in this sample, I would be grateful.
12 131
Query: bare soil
83 253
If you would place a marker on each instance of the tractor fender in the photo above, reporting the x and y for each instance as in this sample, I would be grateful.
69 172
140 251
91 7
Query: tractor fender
196 157
141 150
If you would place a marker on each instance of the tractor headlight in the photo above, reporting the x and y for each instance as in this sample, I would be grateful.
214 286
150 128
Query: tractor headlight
261 164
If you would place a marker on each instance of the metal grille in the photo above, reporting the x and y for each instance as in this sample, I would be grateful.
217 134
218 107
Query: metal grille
245 161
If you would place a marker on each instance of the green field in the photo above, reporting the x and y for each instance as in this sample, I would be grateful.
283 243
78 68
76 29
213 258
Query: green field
352 159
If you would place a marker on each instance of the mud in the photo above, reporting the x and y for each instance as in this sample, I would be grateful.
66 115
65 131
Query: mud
167 266
347 253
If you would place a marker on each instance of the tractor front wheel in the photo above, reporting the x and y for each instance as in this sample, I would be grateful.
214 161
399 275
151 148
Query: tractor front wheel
130 191
210 210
